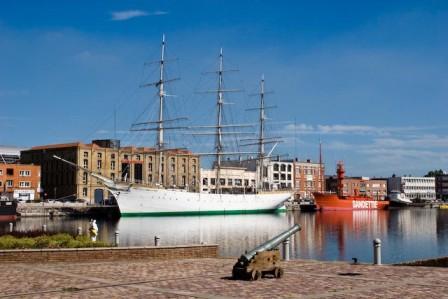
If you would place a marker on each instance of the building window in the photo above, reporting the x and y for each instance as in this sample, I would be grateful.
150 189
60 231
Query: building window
150 178
84 178
112 165
173 180
86 163
289 176
84 191
184 180
9 183
24 184
289 168
86 154
125 157
238 182
184 168
9 171
99 164
213 181
193 168
100 155
1 171
150 166
246 183
24 173
1 183
222 182
112 176
112 156
230 182
163 167
137 157
193 180
184 160
173 167
283 167
173 160
276 167
205 181
150 158
275 176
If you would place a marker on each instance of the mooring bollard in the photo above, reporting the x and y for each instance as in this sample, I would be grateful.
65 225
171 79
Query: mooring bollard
156 241
377 252
286 249
11 227
44 228
79 232
117 238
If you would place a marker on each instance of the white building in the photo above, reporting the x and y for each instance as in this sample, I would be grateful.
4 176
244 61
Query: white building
232 180
281 174
414 188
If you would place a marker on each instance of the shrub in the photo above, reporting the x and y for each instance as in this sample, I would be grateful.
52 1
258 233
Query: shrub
45 241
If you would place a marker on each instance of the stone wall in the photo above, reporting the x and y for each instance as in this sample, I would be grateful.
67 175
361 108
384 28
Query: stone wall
109 253
437 262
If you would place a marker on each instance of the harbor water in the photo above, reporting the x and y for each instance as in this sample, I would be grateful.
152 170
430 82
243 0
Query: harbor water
406 234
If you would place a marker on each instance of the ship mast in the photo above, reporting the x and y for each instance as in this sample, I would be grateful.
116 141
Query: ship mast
220 127
159 128
262 140
161 97
218 141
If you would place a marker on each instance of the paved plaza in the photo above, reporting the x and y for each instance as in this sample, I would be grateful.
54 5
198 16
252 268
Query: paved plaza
210 278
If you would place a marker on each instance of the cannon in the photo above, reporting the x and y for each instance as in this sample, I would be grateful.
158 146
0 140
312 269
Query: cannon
263 259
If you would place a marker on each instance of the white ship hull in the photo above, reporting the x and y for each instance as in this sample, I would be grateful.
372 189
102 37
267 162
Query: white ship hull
158 202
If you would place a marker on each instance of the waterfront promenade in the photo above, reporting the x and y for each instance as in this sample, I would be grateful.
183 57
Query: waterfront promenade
210 278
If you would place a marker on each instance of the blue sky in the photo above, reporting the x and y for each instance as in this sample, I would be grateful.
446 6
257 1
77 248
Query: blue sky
370 78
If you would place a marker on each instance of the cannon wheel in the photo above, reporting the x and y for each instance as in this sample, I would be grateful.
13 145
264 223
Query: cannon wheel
278 272
255 275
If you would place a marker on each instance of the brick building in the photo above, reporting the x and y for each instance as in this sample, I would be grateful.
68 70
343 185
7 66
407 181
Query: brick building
363 186
309 177
20 181
137 165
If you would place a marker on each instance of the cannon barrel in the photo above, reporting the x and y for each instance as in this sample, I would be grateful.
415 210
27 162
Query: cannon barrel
271 244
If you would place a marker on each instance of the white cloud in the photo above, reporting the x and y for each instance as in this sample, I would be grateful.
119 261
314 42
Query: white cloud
130 14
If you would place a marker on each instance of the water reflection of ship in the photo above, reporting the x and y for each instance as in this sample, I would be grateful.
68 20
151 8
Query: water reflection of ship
412 223
322 229
234 234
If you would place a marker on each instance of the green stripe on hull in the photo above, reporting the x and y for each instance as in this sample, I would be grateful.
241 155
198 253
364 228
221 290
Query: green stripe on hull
196 213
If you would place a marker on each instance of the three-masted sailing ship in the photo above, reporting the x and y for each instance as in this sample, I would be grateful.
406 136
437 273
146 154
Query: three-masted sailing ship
141 200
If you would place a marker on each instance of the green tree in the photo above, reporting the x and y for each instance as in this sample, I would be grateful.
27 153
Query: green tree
434 173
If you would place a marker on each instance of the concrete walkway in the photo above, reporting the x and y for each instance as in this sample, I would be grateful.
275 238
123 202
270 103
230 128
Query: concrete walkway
210 278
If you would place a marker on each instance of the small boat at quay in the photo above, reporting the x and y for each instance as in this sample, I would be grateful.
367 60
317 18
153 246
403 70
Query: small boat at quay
8 209
337 201
398 199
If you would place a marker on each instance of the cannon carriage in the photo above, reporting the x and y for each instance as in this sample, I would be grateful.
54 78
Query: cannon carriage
262 260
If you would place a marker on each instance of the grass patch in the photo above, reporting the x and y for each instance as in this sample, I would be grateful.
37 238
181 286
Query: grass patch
49 241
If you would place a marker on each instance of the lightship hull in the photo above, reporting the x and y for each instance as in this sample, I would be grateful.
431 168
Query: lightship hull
163 202
333 202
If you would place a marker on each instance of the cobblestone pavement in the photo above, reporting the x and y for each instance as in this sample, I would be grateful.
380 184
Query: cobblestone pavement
210 278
